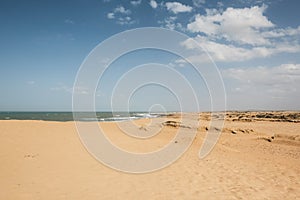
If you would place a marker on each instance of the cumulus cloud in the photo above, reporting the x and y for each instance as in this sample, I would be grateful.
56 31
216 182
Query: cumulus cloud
229 52
110 15
220 4
242 25
177 7
198 3
171 23
136 3
239 34
122 10
276 33
121 15
153 4
125 20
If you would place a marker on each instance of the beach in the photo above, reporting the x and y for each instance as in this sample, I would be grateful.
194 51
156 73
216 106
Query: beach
256 157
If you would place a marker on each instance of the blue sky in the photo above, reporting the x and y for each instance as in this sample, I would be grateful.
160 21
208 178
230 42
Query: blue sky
254 43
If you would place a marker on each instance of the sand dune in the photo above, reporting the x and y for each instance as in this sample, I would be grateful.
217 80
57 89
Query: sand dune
256 157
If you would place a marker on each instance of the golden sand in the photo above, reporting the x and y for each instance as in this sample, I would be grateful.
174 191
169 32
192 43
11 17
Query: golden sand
256 157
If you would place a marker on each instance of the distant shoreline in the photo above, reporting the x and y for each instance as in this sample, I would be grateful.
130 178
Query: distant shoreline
81 116
246 116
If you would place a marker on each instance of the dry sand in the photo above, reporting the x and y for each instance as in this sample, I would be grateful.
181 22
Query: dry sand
256 157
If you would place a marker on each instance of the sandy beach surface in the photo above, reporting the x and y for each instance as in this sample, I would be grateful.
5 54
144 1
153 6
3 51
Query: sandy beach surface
256 157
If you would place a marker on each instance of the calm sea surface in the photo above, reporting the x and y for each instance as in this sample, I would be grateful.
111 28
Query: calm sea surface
68 116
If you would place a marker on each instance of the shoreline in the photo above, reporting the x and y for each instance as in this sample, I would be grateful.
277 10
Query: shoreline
279 116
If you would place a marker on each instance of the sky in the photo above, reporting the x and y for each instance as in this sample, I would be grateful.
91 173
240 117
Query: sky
255 45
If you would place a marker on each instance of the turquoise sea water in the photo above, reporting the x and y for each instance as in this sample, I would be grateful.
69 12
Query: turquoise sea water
68 116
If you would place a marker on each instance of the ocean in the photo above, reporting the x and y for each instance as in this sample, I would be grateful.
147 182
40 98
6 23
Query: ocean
83 116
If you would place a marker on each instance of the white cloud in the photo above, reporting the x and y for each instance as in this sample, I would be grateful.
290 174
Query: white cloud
229 52
240 34
220 4
181 62
125 20
285 73
177 7
223 52
170 23
153 4
275 33
198 3
263 87
110 15
178 63
121 15
122 10
241 25
281 79
136 3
